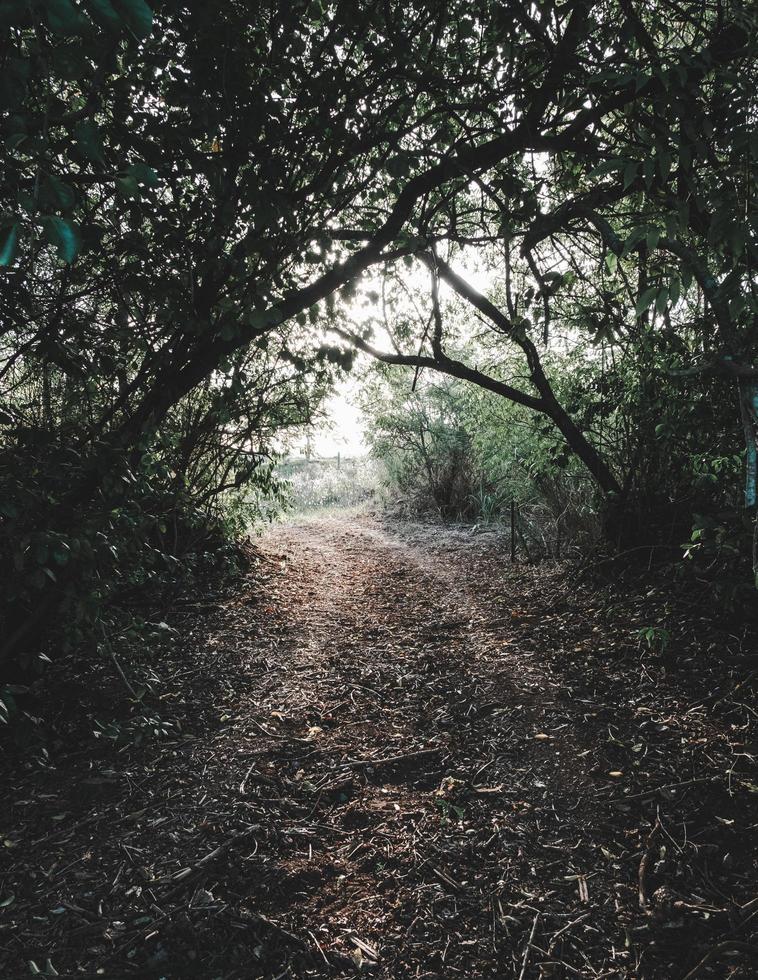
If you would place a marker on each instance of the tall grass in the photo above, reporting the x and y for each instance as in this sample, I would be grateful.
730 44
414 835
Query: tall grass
323 485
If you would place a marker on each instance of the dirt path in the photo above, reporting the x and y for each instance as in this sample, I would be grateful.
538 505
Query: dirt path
392 662
382 765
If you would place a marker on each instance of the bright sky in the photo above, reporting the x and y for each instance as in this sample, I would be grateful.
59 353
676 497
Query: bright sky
342 430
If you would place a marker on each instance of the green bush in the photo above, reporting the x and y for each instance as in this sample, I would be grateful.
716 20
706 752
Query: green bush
316 485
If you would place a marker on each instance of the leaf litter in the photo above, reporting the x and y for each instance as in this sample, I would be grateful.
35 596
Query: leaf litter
394 754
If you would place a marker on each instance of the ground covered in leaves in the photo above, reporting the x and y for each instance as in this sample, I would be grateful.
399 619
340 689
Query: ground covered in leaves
390 752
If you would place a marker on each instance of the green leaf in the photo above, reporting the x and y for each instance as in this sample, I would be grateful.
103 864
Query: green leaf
635 237
143 174
88 140
672 224
7 507
15 140
63 18
61 553
230 331
646 298
63 235
684 213
648 171
652 238
661 300
8 242
102 12
40 553
736 238
137 16
606 167
664 164
127 186
14 80
630 172
70 62
60 194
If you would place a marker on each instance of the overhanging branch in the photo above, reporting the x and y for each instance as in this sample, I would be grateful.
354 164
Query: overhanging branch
445 365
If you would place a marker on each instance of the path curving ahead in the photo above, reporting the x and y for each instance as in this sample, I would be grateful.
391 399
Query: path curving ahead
390 758
434 761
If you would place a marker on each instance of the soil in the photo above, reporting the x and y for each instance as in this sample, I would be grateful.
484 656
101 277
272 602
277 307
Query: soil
391 752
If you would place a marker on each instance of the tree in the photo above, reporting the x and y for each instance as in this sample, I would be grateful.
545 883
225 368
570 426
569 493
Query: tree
216 160
186 187
650 200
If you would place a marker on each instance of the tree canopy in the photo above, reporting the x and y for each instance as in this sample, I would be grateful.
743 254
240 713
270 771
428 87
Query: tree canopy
232 169
194 194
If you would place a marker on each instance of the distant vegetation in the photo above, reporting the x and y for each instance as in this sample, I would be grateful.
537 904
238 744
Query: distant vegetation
319 485
455 453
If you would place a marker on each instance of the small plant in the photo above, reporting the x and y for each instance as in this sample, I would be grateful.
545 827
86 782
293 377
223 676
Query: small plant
449 811
8 706
315 485
656 637
135 730
489 505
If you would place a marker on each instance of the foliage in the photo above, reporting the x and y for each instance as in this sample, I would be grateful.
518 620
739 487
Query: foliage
420 439
666 435
192 194
459 453
317 485
159 518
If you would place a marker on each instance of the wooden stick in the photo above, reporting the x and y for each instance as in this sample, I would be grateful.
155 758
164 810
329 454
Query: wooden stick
528 947
513 531
389 760
569 925
652 792
647 857
729 944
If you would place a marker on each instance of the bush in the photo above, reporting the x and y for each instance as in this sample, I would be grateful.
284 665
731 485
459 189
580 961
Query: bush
65 562
319 484
456 452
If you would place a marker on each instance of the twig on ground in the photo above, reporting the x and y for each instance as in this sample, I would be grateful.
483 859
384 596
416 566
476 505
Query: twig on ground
389 760
563 929
730 945
647 857
657 789
527 948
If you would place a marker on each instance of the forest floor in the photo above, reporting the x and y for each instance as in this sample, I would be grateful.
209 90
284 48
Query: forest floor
390 752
